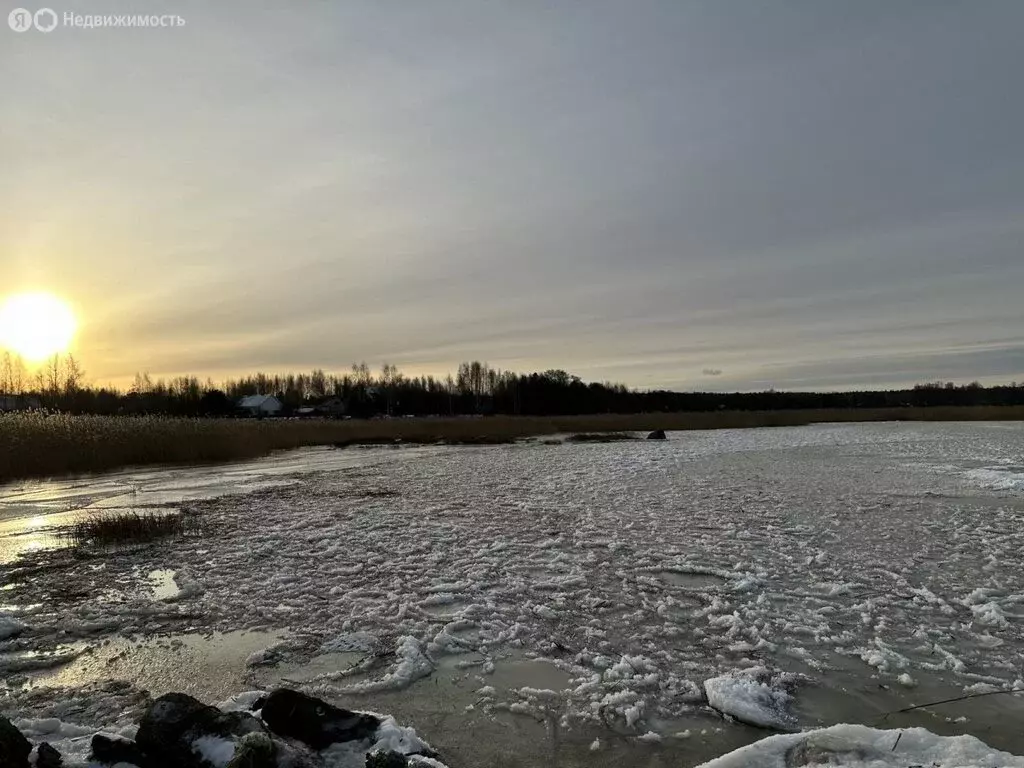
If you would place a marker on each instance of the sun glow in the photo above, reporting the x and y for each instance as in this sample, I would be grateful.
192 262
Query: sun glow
36 325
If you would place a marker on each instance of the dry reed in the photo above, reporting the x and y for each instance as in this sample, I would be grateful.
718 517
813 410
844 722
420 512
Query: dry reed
39 444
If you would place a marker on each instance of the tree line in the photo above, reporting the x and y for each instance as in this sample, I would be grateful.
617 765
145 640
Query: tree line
475 388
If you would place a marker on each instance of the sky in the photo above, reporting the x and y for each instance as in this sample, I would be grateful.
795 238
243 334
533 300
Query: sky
718 195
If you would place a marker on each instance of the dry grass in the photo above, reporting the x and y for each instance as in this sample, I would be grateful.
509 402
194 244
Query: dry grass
116 528
38 445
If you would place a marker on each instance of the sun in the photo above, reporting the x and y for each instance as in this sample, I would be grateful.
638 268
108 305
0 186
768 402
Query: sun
36 325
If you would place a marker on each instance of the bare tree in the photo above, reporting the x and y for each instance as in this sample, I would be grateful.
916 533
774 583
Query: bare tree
318 383
7 375
142 384
19 376
53 372
74 376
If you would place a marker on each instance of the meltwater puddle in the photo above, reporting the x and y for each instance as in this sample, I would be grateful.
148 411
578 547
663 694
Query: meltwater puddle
164 586
210 667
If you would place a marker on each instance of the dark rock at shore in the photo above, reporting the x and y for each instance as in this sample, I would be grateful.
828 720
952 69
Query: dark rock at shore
294 729
658 434
168 718
110 751
313 721
14 747
48 757
174 721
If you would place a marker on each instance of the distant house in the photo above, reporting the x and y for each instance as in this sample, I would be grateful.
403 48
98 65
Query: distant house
332 407
260 405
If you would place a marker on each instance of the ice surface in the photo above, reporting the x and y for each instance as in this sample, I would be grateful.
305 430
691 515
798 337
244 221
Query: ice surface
871 561
32 511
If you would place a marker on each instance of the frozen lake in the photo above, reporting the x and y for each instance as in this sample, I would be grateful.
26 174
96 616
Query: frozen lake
535 604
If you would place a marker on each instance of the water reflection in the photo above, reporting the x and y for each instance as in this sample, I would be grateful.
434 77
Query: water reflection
210 667
163 584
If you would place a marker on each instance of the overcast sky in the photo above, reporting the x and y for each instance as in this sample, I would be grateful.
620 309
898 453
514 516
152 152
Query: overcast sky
716 195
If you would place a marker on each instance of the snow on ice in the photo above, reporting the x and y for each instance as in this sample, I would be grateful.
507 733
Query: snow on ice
751 697
857 746
661 580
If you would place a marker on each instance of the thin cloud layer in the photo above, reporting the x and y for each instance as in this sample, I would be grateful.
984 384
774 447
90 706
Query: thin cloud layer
805 194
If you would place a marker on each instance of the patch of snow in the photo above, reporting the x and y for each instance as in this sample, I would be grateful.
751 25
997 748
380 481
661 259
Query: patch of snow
215 749
990 614
906 680
857 746
883 657
391 736
750 701
996 478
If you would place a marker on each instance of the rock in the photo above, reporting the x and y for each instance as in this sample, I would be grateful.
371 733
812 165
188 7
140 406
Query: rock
386 760
314 722
255 750
658 434
174 721
168 718
48 757
110 751
14 747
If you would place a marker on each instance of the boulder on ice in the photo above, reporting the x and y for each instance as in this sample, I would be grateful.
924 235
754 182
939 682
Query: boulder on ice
108 751
14 747
176 723
48 757
313 721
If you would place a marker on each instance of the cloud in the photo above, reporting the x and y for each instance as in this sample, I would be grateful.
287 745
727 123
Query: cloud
788 193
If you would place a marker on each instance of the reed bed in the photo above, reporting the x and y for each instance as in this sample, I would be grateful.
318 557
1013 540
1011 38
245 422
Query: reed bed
46 444
131 527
